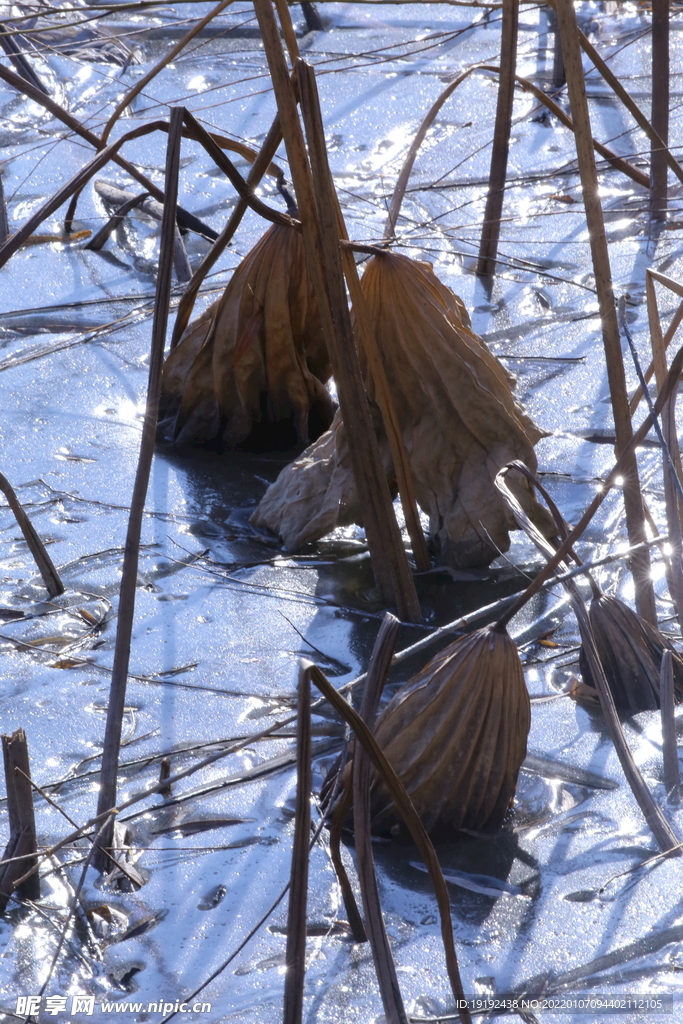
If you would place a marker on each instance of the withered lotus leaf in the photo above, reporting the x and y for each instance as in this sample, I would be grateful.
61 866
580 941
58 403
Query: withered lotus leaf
630 652
458 416
456 734
257 352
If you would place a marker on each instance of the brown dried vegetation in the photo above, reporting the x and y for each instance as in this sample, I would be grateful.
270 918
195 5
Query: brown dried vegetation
256 354
458 415
456 735
630 652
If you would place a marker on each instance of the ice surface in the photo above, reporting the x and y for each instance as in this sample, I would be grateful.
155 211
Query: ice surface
219 612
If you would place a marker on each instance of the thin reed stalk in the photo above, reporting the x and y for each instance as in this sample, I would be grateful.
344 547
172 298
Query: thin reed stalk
22 824
385 968
666 341
298 887
19 59
633 501
16 240
99 239
353 915
672 775
73 903
185 219
558 78
490 233
660 107
321 244
117 693
618 162
4 220
420 135
137 798
288 30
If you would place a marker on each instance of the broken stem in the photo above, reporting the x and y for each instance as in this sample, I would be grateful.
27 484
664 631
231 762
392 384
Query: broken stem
45 565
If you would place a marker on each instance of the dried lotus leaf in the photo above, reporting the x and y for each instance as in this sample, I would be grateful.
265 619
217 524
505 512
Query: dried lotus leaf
257 354
630 652
456 735
458 416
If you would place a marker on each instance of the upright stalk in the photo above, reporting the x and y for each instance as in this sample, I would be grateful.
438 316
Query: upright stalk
488 249
633 501
298 887
129 575
385 968
660 106
323 260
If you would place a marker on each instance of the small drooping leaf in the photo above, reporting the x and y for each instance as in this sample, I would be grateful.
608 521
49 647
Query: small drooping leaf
456 735
630 652
257 353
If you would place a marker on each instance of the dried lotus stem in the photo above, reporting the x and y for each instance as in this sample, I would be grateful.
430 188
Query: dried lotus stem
628 101
404 175
488 248
619 162
185 219
129 574
310 106
673 491
633 501
676 320
20 852
298 886
412 820
660 107
45 564
172 53
321 244
341 813
385 968
653 815
672 775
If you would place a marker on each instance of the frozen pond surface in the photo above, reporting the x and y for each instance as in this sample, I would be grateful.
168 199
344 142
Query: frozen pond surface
222 618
